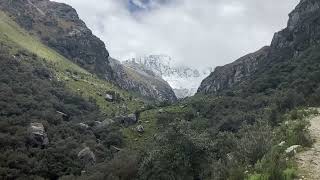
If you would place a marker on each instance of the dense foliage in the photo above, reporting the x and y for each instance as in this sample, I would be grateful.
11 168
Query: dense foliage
29 93
237 133
231 135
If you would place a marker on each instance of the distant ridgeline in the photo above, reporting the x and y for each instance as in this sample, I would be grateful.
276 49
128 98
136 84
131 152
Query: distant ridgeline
69 111
281 65
183 79
59 27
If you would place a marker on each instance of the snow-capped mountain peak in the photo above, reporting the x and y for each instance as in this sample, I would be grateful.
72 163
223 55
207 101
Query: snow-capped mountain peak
183 79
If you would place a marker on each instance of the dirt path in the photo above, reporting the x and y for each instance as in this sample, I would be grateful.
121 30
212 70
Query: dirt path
309 160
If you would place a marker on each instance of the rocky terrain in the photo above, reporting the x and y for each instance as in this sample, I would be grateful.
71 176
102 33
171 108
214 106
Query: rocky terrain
142 81
183 79
227 76
301 33
59 120
58 26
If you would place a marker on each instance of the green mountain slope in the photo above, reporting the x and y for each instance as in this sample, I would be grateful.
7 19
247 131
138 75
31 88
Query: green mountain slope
30 93
58 26
76 78
22 57
241 131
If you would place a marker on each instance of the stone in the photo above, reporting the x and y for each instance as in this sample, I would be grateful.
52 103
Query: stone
292 149
140 129
87 157
109 98
128 120
83 125
282 143
38 135
132 118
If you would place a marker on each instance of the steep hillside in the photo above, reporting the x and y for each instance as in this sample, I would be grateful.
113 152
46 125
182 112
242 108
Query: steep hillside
286 51
76 78
60 121
57 118
58 26
142 81
229 75
41 130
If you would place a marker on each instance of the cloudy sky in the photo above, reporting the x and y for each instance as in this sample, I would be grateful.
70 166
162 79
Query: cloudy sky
198 33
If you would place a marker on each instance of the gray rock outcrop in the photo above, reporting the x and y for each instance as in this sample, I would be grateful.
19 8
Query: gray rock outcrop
59 26
227 76
87 157
140 129
142 81
38 135
302 32
128 120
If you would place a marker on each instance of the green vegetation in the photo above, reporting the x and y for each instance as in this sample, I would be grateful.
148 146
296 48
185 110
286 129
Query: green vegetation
237 134
241 133
37 85
29 94
78 80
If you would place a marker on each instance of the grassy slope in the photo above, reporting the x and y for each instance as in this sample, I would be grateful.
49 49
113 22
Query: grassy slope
79 81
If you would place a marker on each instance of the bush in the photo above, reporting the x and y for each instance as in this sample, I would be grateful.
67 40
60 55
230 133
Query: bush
254 142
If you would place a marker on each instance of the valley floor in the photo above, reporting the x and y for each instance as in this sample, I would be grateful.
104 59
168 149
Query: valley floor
309 160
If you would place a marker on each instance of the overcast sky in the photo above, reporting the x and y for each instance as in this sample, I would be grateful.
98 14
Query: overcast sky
198 33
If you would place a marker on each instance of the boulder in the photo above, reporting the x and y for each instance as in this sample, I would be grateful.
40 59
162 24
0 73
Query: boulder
83 125
292 149
38 136
132 118
87 157
109 97
140 129
128 120
282 143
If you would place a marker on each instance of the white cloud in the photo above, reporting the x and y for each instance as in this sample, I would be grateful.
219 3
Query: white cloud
194 32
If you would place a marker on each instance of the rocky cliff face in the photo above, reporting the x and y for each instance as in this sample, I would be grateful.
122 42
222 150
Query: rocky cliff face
184 80
225 77
302 32
303 28
145 82
59 26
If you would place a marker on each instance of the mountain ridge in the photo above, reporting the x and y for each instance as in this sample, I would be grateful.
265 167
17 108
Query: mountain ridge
299 34
60 121
59 26
142 81
183 79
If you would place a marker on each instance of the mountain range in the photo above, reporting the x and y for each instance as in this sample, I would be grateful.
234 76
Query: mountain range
68 110
183 79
